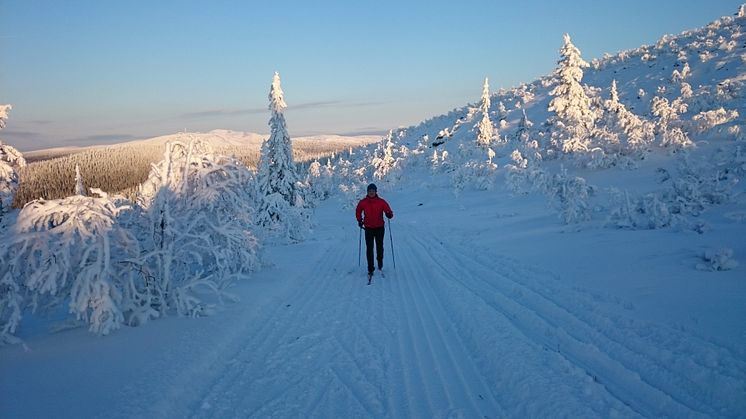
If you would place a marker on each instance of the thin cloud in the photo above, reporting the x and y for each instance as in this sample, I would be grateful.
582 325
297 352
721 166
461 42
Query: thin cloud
219 112
216 113
19 134
312 105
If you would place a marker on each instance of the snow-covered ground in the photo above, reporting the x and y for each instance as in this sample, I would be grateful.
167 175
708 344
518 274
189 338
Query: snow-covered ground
630 304
494 309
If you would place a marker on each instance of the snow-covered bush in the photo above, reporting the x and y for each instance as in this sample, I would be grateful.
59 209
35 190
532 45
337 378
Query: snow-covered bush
386 165
480 175
67 251
473 168
570 195
698 185
522 177
668 125
640 213
704 121
199 231
319 180
717 260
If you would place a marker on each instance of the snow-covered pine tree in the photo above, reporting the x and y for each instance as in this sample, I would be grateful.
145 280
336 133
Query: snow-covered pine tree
280 202
574 120
485 129
79 187
10 161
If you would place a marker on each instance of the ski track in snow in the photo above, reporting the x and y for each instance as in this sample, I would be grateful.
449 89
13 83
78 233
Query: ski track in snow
652 370
454 332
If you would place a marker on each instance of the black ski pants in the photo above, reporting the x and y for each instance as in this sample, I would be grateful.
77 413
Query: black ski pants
371 235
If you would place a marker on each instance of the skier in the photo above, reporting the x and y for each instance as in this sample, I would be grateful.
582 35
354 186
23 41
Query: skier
373 208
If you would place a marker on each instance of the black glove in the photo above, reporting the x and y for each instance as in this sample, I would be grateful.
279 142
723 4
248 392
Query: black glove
360 224
389 215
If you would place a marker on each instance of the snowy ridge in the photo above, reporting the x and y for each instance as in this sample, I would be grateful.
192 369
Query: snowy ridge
714 54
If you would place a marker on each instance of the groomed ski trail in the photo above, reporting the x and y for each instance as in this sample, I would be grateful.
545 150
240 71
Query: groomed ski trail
453 332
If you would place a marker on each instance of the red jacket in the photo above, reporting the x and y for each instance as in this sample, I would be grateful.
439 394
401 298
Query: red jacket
374 208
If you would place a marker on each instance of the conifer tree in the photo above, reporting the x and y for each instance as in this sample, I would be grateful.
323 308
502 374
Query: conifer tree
79 187
485 129
10 161
276 168
621 131
574 120
279 196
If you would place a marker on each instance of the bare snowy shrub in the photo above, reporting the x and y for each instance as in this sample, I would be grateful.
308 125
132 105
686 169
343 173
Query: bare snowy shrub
717 260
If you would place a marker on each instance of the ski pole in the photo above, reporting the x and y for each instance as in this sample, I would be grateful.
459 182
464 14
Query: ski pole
391 239
359 245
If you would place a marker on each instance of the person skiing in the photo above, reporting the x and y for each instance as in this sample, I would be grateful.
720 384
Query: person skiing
369 213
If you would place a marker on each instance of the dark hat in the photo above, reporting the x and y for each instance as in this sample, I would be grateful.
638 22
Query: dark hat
372 187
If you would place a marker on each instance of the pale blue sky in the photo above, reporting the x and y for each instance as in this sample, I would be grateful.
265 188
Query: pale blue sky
98 71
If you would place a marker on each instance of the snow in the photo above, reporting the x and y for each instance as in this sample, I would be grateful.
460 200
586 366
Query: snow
497 307
494 309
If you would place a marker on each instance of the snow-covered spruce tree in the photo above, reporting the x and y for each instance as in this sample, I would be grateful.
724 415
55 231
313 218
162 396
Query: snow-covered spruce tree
66 251
10 161
198 236
79 187
622 132
280 201
574 120
485 129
